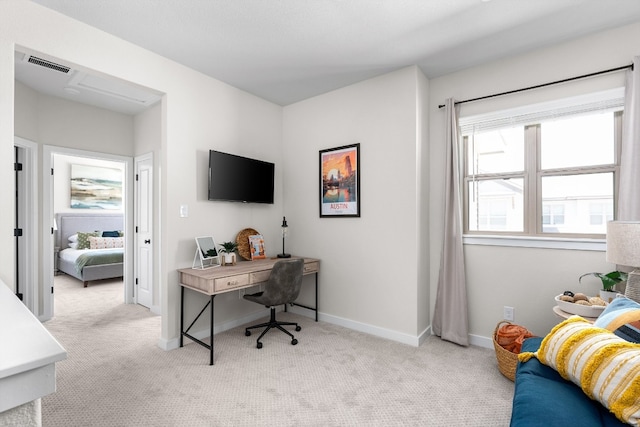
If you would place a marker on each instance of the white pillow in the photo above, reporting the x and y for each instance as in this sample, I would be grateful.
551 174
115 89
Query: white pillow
73 238
73 245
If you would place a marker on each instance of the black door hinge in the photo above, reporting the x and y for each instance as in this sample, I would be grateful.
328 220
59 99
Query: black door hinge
17 232
17 167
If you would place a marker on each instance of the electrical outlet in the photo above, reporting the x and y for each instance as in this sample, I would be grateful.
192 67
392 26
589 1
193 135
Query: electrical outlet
508 313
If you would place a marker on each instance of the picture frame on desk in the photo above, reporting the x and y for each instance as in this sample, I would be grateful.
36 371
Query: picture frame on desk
340 182
256 245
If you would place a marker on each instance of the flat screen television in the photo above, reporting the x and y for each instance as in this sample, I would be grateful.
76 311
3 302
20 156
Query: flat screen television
240 179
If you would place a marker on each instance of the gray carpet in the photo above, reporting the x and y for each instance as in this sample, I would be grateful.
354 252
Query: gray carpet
115 374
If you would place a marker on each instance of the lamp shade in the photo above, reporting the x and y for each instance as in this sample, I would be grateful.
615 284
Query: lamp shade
623 243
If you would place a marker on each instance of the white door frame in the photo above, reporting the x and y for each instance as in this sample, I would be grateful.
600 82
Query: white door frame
47 220
29 219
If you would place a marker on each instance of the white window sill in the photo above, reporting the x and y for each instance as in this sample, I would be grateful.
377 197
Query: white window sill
537 242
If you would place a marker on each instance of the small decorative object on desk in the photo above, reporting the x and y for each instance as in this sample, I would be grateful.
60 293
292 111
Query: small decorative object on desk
228 249
242 239
285 231
256 243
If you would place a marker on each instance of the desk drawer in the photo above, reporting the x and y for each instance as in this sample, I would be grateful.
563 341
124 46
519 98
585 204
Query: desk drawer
311 267
259 276
231 282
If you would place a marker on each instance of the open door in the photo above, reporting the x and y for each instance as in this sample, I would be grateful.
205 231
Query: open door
144 230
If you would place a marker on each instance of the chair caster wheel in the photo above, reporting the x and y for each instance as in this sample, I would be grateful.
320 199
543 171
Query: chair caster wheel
298 328
259 345
247 333
294 341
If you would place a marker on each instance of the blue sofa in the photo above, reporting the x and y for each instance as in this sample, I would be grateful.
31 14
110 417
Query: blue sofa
543 398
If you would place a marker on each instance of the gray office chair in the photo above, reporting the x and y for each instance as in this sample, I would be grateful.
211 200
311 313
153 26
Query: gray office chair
282 287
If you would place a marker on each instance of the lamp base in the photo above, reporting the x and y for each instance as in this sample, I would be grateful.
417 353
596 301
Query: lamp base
632 290
284 255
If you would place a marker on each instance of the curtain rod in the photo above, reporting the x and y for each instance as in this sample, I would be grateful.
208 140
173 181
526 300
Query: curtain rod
611 70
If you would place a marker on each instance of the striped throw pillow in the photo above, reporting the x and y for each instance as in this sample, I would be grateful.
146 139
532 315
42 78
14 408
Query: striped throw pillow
605 366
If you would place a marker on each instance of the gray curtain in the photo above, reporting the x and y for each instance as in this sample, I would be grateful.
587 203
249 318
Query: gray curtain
450 318
629 191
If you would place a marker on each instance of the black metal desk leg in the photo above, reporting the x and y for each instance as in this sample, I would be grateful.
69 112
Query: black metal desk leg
211 345
181 313
316 296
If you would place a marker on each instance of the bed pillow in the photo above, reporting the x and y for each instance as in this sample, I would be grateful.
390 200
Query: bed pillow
111 234
83 239
603 365
106 242
73 238
73 245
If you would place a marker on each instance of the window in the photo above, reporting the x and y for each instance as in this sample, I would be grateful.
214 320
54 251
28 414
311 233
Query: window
553 174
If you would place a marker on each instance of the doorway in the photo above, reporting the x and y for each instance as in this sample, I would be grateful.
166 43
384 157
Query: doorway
57 200
69 117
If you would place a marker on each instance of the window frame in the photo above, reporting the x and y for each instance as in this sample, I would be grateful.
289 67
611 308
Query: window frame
532 177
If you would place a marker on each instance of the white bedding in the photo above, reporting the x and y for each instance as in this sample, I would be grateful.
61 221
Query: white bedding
71 255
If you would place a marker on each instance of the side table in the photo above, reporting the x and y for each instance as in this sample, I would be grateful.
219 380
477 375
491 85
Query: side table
564 315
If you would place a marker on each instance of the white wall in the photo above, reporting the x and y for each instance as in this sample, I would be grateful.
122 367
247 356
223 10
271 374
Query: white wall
526 279
197 114
370 265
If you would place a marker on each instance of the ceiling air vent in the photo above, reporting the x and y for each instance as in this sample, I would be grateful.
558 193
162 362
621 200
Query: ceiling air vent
48 64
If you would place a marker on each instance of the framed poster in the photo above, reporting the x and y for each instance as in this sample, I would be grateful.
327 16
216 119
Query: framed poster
340 182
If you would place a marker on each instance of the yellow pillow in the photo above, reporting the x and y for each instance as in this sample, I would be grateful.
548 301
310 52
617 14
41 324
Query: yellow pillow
605 366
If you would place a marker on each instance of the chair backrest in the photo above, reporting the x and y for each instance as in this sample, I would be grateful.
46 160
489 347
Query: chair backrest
284 282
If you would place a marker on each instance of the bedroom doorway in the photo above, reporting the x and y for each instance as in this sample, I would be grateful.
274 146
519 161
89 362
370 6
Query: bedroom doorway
58 199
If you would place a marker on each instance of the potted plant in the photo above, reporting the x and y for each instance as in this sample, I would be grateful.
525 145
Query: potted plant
228 249
609 281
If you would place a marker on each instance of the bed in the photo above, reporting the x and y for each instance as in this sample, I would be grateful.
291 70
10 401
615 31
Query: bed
88 265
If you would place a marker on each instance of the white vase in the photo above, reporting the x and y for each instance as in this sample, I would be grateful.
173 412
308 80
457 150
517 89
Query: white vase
228 258
608 296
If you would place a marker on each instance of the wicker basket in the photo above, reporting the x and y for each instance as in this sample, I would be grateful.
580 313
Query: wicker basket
242 239
507 361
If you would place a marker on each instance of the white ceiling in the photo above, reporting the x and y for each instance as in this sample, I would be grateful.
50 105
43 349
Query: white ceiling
289 50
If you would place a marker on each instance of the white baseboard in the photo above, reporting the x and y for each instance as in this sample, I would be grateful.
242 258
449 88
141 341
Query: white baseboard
476 340
376 331
481 341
